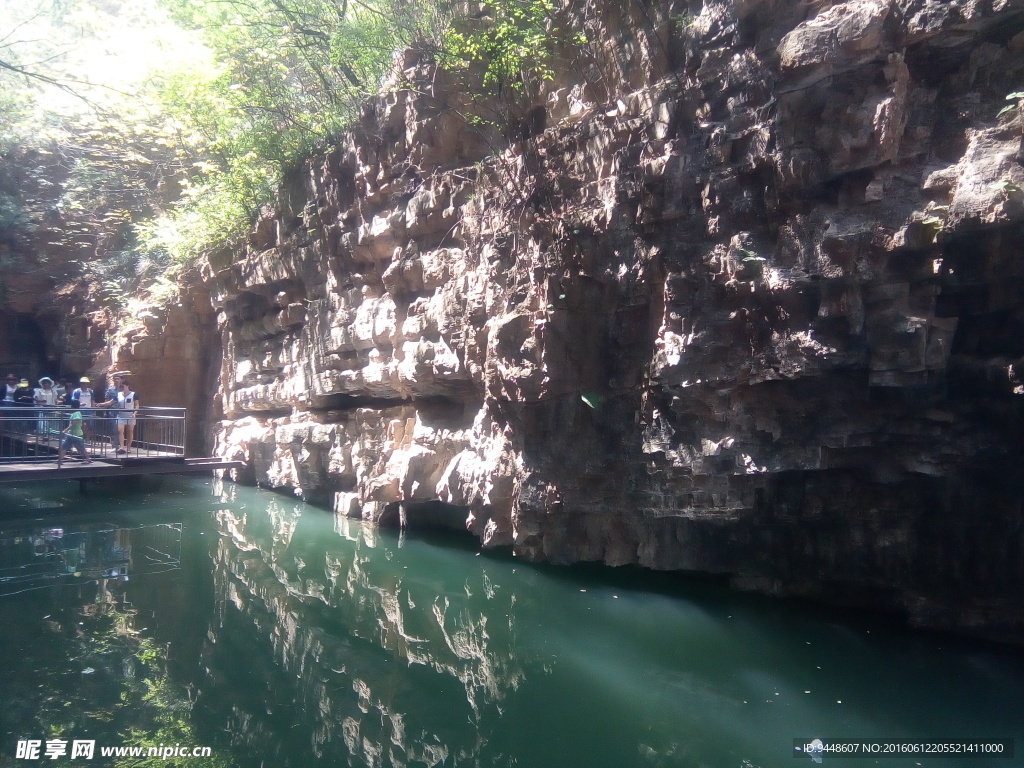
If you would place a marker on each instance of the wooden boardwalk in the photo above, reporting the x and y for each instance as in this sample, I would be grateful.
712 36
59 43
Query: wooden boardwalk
16 472
29 445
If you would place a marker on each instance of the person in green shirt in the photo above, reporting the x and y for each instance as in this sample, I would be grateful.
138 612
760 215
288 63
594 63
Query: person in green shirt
73 437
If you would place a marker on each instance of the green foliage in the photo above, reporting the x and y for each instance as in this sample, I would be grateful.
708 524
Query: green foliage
1016 98
121 164
287 76
166 717
89 160
510 38
14 110
159 177
100 679
12 214
122 167
683 21
208 214
27 61
291 74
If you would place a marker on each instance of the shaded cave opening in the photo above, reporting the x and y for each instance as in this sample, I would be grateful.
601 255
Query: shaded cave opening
23 348
426 516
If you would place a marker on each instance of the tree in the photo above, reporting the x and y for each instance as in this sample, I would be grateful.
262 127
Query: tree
86 152
157 170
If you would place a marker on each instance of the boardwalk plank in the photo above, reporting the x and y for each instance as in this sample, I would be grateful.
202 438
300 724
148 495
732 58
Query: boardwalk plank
74 470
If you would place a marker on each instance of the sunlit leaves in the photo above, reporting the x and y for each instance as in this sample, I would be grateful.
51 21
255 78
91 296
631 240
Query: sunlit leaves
88 166
510 38
156 180
287 75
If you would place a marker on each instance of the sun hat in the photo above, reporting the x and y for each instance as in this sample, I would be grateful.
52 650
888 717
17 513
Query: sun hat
45 378
84 380
23 383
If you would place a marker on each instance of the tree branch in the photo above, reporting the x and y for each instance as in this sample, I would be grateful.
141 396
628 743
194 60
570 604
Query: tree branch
61 84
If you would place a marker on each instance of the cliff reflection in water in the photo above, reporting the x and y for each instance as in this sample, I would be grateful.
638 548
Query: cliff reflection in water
81 659
290 638
353 630
333 643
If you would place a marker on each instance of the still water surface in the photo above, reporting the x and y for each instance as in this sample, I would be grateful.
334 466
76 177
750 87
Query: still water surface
217 615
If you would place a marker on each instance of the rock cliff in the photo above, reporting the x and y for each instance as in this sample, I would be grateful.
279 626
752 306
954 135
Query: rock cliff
741 293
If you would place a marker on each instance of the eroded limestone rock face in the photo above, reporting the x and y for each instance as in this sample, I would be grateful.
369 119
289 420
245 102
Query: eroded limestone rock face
742 295
170 354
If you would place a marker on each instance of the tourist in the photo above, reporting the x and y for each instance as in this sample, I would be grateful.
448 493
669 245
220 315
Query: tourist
110 396
114 388
10 387
82 398
73 437
45 396
61 390
23 397
124 409
8 412
127 404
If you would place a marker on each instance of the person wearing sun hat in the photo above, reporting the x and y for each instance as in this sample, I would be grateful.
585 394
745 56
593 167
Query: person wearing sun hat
82 399
45 396
23 394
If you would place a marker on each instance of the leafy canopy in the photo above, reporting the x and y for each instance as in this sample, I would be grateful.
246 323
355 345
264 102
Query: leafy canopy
509 38
176 131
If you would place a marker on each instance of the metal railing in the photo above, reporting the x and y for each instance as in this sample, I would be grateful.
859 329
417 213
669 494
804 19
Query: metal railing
35 433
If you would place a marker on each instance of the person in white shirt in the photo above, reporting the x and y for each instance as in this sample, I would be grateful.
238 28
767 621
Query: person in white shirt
124 409
45 396
82 399
9 404
9 389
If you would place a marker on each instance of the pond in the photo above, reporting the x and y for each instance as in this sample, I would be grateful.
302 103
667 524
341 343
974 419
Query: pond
206 614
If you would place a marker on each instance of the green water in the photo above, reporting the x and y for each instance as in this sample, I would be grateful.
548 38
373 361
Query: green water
222 616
